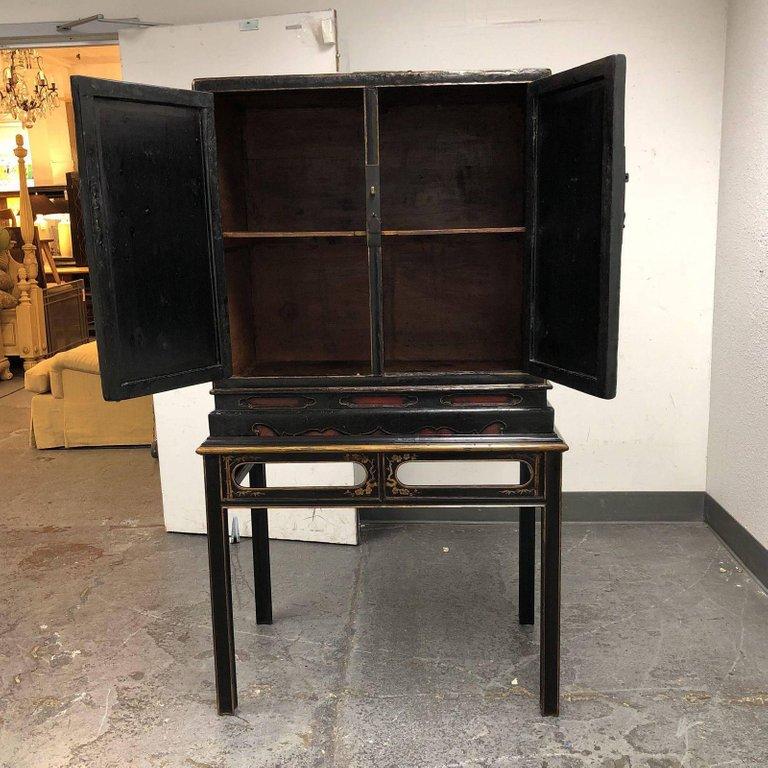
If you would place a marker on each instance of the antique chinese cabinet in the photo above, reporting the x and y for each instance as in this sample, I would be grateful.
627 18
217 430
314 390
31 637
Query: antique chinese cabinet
379 267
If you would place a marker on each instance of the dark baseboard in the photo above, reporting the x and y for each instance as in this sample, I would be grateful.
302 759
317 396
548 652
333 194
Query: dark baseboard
578 507
634 506
737 538
607 507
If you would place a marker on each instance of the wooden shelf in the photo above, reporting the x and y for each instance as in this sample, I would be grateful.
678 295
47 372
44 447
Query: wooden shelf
450 366
267 369
248 235
465 231
253 235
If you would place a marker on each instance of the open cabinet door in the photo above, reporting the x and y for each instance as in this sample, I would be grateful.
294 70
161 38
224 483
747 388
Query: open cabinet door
575 212
173 57
147 162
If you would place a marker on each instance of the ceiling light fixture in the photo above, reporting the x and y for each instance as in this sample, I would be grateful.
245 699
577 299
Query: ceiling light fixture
26 93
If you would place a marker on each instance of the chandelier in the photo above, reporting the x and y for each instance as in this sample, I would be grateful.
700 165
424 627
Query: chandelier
25 93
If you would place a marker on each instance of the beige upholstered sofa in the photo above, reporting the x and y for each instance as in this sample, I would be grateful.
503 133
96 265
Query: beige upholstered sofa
69 411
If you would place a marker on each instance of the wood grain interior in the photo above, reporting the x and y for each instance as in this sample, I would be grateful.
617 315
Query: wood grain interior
452 156
291 165
453 303
300 157
299 307
230 150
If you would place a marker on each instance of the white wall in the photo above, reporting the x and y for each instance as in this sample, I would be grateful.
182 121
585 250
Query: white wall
654 435
738 458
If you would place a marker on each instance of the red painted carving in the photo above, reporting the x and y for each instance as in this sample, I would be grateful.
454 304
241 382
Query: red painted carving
436 432
496 428
378 401
483 400
278 401
321 433
264 430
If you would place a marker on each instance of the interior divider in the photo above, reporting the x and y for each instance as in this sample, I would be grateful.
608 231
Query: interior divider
373 227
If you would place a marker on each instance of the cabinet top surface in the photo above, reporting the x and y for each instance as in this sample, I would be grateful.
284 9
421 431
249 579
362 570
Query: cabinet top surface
551 441
371 79
445 381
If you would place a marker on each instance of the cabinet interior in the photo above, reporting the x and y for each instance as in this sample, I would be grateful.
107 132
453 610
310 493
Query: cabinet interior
299 307
291 161
452 303
452 156
306 293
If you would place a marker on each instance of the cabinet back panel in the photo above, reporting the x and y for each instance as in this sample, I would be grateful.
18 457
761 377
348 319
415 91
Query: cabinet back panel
230 149
299 307
237 268
452 156
452 302
302 155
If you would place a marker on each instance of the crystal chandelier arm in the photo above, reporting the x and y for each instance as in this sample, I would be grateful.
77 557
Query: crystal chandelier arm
23 101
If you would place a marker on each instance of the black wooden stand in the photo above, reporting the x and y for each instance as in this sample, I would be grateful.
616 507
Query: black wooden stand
228 461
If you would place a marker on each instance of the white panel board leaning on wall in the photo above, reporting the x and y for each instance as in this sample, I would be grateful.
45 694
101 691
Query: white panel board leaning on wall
174 56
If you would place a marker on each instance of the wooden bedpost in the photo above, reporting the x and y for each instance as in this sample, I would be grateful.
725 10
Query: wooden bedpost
30 312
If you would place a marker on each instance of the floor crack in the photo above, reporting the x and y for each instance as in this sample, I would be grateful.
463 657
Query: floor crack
339 693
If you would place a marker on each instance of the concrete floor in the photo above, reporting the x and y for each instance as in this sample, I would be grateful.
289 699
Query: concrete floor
396 653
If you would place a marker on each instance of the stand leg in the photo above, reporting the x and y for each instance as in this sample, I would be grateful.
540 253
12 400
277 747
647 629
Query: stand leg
527 558
262 579
527 565
221 591
549 690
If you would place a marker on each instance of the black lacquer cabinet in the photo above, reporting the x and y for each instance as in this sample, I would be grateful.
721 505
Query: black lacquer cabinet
373 267
368 227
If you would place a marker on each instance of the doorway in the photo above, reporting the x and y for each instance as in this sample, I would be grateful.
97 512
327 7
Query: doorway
51 166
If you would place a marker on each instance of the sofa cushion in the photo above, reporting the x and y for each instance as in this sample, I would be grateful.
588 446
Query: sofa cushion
84 359
38 377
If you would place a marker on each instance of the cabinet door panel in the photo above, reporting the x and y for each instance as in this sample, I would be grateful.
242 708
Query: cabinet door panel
152 224
575 213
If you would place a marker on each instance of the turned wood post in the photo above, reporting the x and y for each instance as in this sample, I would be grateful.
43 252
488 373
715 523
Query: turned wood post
26 219
5 363
32 318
